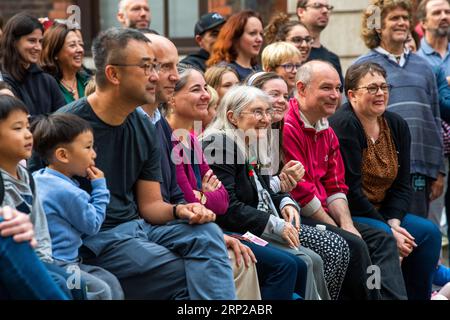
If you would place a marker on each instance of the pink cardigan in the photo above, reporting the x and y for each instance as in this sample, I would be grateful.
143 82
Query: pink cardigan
217 201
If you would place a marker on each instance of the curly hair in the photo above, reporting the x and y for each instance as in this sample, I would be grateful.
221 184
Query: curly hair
370 34
224 48
279 27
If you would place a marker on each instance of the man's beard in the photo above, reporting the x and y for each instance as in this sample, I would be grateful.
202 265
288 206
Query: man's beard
441 32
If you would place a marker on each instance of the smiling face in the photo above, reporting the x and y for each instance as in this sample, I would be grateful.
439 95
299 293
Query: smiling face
248 122
191 101
72 53
30 47
299 36
319 98
277 90
250 42
395 28
15 137
167 55
366 104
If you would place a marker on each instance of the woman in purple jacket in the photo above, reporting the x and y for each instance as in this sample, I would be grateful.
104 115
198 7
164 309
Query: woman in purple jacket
280 274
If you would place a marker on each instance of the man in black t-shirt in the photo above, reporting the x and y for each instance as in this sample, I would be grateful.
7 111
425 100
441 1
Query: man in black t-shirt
155 249
315 15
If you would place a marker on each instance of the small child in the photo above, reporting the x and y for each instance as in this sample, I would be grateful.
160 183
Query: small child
16 143
66 143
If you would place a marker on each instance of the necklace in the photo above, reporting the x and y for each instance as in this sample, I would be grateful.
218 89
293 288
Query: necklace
71 88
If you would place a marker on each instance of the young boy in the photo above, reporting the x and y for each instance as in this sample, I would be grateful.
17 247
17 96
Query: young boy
16 145
66 142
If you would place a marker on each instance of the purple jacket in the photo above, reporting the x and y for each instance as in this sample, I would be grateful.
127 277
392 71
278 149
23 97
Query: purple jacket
217 201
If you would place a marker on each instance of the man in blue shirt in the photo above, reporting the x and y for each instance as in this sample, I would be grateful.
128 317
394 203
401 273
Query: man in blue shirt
434 16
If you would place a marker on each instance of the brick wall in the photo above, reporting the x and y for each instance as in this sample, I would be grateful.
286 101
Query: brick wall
38 8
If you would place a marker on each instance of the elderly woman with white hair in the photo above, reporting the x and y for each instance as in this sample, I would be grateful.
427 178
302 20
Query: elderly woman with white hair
232 144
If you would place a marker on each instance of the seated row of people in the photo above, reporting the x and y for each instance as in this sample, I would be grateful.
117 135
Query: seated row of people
145 225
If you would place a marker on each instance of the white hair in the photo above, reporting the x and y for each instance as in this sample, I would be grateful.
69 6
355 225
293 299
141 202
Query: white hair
237 99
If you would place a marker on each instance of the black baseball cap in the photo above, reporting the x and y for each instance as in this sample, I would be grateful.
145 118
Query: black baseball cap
207 22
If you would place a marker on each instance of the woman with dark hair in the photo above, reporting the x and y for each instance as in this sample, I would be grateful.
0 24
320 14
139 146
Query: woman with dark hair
20 49
281 28
239 43
62 57
375 147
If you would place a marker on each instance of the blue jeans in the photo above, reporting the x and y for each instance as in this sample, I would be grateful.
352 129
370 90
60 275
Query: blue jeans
23 275
171 261
419 267
280 274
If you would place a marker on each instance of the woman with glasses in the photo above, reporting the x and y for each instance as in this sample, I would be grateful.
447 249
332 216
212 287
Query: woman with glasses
235 145
20 49
239 43
62 57
283 59
281 28
285 176
375 147
280 274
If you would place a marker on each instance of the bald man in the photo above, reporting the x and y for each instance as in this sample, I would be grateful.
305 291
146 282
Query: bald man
308 138
134 14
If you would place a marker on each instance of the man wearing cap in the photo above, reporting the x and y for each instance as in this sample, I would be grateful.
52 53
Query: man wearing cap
206 31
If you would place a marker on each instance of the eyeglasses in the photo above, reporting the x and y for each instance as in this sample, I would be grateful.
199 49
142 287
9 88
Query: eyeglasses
147 67
290 67
259 114
299 40
319 6
373 88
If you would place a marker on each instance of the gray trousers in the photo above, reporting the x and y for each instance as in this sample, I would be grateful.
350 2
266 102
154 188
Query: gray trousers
171 261
316 286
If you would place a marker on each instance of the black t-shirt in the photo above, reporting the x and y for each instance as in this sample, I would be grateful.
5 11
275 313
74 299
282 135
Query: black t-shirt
126 154
323 53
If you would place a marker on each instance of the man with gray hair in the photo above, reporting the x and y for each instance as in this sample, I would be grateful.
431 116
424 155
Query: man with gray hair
134 14
308 138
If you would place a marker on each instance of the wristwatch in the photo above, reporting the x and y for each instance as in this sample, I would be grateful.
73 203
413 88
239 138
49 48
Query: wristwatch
174 212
